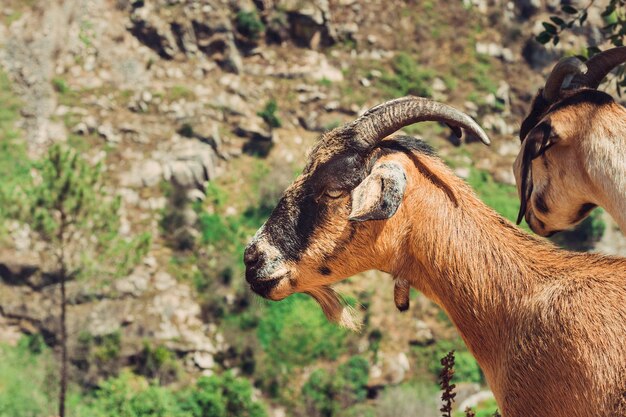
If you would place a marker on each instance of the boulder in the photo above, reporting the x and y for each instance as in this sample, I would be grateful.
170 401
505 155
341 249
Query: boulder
423 335
390 369
153 32
309 22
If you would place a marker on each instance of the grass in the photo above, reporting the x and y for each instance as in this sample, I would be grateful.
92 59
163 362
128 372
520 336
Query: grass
268 114
14 163
179 92
25 386
407 78
501 197
28 389
60 85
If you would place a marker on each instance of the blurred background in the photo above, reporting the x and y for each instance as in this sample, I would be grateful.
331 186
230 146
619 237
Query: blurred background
142 143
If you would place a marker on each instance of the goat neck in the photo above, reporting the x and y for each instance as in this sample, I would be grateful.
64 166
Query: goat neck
494 281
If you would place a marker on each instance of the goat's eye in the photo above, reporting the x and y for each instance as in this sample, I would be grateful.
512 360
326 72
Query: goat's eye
334 193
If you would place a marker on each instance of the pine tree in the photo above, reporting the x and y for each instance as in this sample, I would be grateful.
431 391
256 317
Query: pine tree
77 222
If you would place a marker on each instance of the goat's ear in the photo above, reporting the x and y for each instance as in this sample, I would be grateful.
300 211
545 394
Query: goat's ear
541 138
379 195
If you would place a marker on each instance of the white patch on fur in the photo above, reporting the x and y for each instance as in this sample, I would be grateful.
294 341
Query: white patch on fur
335 309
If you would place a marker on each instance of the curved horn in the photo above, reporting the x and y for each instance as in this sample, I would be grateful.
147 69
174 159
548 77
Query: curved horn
561 76
599 66
386 118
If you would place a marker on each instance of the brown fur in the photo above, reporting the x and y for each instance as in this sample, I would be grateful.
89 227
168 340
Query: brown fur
584 165
548 327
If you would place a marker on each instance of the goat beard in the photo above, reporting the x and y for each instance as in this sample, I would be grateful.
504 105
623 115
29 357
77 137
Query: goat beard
335 308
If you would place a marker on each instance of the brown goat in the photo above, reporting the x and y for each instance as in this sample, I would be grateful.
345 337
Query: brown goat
573 154
547 327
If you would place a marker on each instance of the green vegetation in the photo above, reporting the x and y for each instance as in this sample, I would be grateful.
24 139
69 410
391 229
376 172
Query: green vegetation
26 391
501 197
325 82
14 164
466 368
327 393
481 75
614 15
78 225
408 78
26 371
295 332
60 85
173 218
158 363
268 114
249 24
287 350
486 408
70 204
179 92
108 346
130 395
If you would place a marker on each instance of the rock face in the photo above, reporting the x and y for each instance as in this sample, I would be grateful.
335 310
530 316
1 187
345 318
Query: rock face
187 29
30 56
390 369
187 162
147 306
309 22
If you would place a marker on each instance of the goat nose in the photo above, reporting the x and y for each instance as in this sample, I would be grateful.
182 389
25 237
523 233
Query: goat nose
251 256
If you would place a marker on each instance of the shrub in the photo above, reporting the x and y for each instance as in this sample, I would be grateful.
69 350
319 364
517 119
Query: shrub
318 394
60 85
353 376
107 346
268 114
129 395
408 78
325 393
26 371
466 368
158 362
295 332
221 396
174 224
249 24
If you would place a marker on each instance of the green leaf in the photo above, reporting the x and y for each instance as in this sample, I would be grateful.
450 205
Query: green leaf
543 38
555 40
550 28
582 18
557 20
569 9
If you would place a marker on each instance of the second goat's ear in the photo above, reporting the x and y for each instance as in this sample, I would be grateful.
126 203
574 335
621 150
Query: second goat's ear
379 195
